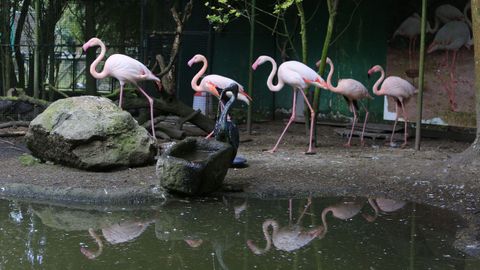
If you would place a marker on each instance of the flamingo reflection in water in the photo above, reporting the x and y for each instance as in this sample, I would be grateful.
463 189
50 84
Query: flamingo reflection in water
383 205
288 238
344 210
115 234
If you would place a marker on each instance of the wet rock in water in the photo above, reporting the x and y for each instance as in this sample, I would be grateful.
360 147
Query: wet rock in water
194 166
90 133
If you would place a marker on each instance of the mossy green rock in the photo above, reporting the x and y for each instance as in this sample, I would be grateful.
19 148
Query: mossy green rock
89 133
194 166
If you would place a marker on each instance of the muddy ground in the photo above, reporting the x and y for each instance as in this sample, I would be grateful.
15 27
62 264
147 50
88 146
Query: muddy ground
376 170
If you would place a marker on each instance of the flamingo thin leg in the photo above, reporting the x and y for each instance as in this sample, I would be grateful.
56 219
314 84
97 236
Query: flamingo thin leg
353 124
209 135
150 101
292 117
453 104
312 122
309 202
395 124
290 210
405 119
121 95
364 125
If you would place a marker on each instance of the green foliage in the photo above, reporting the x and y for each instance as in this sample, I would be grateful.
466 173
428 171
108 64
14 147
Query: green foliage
222 12
282 6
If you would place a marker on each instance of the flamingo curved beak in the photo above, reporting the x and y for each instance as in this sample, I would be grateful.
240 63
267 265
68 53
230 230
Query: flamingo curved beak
255 65
325 85
243 96
212 89
190 62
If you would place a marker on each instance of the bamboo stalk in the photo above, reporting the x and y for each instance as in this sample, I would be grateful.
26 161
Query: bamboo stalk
250 71
332 11
36 61
303 35
421 73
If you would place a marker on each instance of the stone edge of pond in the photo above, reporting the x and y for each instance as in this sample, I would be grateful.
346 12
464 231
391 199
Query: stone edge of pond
122 197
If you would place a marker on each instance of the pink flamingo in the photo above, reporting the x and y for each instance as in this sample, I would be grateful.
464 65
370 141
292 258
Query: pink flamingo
352 90
397 88
209 83
410 28
299 76
124 69
451 37
288 238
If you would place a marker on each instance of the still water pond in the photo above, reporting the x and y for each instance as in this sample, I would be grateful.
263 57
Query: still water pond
233 234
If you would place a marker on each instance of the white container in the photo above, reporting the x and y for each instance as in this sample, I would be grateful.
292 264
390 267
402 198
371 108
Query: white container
200 102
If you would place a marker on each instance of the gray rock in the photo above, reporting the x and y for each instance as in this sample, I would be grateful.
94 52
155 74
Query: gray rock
194 166
89 133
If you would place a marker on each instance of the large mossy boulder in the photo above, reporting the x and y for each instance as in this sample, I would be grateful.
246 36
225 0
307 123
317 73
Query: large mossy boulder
194 166
90 133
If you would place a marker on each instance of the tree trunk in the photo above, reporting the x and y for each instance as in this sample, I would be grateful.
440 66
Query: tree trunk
89 33
169 104
6 14
18 35
472 154
52 13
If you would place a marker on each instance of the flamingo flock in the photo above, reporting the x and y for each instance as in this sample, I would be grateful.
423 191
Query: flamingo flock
293 73
452 31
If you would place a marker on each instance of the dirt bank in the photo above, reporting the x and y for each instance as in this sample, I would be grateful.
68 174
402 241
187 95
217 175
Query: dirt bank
375 170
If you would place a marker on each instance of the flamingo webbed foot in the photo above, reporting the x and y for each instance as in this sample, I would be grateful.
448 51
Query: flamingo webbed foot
347 144
310 152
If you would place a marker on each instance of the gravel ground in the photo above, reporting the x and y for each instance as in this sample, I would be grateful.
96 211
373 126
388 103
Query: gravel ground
425 176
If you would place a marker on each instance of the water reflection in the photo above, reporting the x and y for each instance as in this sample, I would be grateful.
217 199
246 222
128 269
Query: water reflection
383 205
344 210
120 232
379 233
288 238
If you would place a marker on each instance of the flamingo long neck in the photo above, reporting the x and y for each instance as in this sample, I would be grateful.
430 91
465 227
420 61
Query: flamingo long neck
435 26
195 81
270 84
329 78
265 226
374 206
378 82
93 254
324 222
93 66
